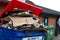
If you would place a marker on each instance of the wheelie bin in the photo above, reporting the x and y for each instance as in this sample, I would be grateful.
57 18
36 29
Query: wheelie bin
50 32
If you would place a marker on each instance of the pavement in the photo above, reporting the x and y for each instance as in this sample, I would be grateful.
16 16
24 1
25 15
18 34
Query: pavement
57 38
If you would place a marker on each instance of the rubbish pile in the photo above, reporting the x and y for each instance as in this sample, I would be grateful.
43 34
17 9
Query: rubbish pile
36 27
7 22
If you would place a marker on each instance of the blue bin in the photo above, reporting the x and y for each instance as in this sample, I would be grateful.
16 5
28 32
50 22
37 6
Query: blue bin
10 34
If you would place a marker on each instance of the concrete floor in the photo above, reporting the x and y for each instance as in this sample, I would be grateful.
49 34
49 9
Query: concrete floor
57 38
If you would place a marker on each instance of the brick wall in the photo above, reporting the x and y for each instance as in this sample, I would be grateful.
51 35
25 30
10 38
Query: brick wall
40 19
2 6
51 20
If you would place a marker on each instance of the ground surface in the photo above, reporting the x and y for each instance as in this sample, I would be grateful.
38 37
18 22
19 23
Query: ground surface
57 38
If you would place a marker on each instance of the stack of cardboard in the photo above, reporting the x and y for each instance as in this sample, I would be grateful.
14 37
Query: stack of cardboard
17 21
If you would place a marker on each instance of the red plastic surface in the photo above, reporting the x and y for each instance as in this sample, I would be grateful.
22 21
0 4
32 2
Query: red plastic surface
18 4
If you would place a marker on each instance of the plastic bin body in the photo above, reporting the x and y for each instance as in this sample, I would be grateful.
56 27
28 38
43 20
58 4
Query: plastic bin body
50 33
10 34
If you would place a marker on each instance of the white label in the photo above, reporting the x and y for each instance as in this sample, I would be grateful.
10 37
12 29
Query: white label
33 38
22 0
18 0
